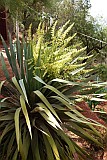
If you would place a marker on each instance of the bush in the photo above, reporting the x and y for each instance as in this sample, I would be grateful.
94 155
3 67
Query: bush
37 108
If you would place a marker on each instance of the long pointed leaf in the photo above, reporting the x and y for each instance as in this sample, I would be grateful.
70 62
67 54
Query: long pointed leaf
25 112
48 149
35 146
7 50
5 71
46 102
1 84
23 89
14 80
52 143
13 59
48 116
16 118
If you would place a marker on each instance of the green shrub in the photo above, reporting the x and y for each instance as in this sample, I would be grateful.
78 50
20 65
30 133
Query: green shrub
57 57
37 109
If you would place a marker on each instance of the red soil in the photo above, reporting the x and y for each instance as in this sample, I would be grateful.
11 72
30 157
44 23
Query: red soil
87 112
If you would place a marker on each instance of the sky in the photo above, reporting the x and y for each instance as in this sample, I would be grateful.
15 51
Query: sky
99 8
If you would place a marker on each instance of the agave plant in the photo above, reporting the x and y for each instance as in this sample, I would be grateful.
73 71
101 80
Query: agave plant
36 111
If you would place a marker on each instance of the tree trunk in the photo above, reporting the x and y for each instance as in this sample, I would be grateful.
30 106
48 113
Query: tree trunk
3 28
